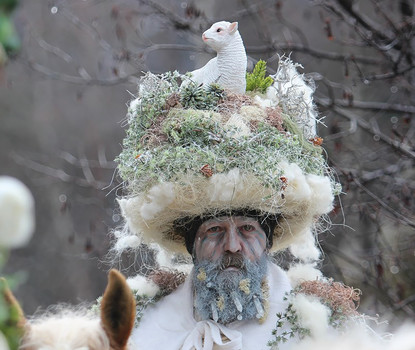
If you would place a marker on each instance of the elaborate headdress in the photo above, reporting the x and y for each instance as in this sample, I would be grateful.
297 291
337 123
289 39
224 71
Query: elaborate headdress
192 151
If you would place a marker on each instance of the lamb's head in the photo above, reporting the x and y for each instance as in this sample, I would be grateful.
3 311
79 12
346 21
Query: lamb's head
221 34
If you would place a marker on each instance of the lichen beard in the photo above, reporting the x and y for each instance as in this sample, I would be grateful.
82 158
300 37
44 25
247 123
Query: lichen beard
229 289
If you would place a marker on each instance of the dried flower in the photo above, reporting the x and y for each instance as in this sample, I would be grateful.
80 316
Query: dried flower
220 303
201 275
317 141
244 285
206 170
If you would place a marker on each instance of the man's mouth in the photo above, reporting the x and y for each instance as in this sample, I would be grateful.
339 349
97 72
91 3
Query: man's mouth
234 262
231 268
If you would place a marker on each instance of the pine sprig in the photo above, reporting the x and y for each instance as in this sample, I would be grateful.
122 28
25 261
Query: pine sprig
256 81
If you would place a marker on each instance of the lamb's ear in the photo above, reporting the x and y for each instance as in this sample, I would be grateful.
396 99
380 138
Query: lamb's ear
233 27
117 310
16 313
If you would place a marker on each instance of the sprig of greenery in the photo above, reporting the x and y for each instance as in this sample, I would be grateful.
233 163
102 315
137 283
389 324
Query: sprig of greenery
289 321
256 81
144 301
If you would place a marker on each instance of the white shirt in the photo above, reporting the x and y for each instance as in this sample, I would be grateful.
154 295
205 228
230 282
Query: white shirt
170 325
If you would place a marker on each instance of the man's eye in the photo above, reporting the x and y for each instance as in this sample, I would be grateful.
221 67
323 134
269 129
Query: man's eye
248 228
219 30
213 229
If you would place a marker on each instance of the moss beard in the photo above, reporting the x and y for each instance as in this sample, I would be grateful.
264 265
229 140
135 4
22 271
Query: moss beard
230 289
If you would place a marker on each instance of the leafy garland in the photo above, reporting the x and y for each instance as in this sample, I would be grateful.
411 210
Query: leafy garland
144 301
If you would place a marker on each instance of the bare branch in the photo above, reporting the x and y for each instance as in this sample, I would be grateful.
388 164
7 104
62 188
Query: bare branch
368 105
130 78
177 21
405 149
334 56
85 28
384 205
404 302
88 181
102 163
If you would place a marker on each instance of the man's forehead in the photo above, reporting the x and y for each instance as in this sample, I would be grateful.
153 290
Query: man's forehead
227 218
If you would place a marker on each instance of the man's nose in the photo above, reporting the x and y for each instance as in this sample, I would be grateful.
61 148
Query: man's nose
233 242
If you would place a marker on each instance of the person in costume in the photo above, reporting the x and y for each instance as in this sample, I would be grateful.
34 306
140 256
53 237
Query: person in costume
226 301
217 184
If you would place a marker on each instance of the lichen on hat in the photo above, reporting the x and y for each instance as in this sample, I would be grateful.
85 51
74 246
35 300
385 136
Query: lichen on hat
191 151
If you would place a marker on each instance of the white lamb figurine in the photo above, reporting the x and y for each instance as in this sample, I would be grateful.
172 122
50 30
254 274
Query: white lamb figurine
228 68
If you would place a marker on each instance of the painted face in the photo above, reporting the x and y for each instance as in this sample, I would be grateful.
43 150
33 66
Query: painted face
236 234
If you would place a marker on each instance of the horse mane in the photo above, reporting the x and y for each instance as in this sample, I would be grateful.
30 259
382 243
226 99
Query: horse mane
67 329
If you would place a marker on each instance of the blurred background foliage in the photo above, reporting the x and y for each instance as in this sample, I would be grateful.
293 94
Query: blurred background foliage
9 40
63 100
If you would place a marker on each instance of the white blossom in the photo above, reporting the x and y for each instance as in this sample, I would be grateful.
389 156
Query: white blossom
17 219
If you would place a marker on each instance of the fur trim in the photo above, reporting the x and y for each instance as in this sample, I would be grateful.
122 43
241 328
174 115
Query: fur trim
299 273
191 197
305 247
143 286
312 314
